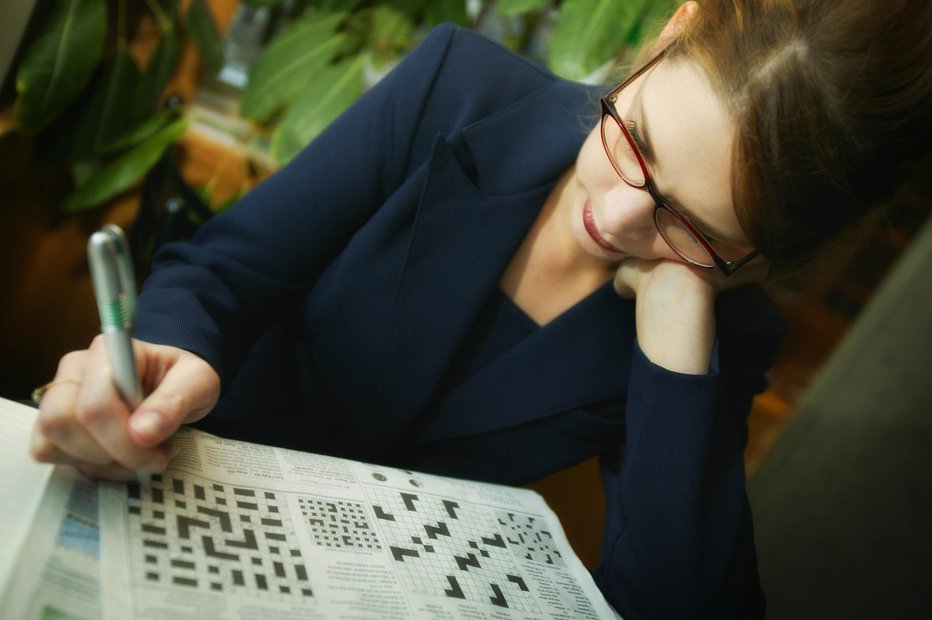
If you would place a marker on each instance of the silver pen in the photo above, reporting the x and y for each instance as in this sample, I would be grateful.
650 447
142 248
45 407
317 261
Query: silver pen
115 290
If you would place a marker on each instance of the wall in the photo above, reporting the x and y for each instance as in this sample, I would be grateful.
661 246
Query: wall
843 503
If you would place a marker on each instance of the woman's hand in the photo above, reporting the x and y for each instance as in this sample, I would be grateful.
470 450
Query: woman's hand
675 308
83 421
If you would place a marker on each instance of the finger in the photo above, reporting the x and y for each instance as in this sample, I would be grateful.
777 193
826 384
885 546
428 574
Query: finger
44 450
103 414
626 278
62 434
57 436
187 392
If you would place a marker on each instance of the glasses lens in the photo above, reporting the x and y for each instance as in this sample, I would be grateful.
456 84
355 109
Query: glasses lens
679 237
621 152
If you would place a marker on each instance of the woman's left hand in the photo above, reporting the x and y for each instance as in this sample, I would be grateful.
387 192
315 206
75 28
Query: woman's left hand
675 307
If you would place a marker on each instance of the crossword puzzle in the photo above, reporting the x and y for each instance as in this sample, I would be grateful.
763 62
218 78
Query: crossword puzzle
450 548
337 524
213 537
528 540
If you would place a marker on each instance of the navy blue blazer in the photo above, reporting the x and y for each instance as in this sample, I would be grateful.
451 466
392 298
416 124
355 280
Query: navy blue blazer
333 297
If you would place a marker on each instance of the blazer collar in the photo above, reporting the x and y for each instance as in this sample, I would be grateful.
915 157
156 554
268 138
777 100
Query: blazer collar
482 193
529 143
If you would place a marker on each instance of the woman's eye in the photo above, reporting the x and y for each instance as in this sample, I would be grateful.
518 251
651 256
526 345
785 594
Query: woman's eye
694 241
638 140
715 243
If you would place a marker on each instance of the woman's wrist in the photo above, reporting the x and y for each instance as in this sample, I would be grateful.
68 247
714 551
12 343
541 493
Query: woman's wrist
676 319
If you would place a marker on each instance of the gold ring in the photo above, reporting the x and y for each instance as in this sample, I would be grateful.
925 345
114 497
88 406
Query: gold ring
40 391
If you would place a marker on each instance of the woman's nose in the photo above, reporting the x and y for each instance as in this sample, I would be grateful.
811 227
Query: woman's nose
629 213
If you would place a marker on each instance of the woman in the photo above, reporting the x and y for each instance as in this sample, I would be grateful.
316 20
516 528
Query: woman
456 277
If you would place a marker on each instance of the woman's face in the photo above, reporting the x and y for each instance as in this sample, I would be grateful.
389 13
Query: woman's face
686 139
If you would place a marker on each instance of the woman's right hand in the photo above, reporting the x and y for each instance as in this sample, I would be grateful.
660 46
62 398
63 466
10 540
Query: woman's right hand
84 422
675 307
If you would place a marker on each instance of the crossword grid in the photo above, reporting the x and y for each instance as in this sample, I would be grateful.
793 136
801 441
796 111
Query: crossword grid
443 547
212 537
337 524
528 540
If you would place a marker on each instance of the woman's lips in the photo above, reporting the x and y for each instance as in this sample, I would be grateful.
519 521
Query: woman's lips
593 231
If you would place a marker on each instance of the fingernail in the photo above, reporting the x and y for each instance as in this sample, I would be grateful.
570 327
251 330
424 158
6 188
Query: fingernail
146 423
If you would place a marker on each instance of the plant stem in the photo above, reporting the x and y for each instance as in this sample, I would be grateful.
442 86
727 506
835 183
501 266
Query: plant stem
161 17
121 23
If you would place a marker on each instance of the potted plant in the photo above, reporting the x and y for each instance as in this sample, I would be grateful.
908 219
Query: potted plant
88 120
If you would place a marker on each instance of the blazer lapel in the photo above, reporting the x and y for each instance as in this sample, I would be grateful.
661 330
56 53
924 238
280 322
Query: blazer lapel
483 191
462 242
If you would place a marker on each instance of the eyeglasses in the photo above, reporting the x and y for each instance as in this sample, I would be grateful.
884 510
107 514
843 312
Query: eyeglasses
622 150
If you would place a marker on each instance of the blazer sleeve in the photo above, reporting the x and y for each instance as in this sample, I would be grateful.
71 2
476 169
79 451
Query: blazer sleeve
679 538
212 295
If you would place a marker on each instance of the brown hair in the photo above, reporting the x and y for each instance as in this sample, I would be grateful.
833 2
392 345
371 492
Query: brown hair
832 101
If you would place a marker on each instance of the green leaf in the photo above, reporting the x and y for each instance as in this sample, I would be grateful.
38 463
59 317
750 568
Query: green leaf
412 7
518 7
59 62
107 115
203 31
654 13
334 6
390 33
138 134
332 91
124 172
82 170
288 62
447 11
165 13
589 33
155 77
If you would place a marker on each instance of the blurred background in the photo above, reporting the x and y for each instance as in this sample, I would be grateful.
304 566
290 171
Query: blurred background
156 114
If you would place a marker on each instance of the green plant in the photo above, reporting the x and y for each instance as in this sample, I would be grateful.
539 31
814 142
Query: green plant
587 35
315 67
90 101
317 64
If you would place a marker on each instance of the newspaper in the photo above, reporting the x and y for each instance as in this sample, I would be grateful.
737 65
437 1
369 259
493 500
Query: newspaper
240 530
49 530
57 572
22 481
